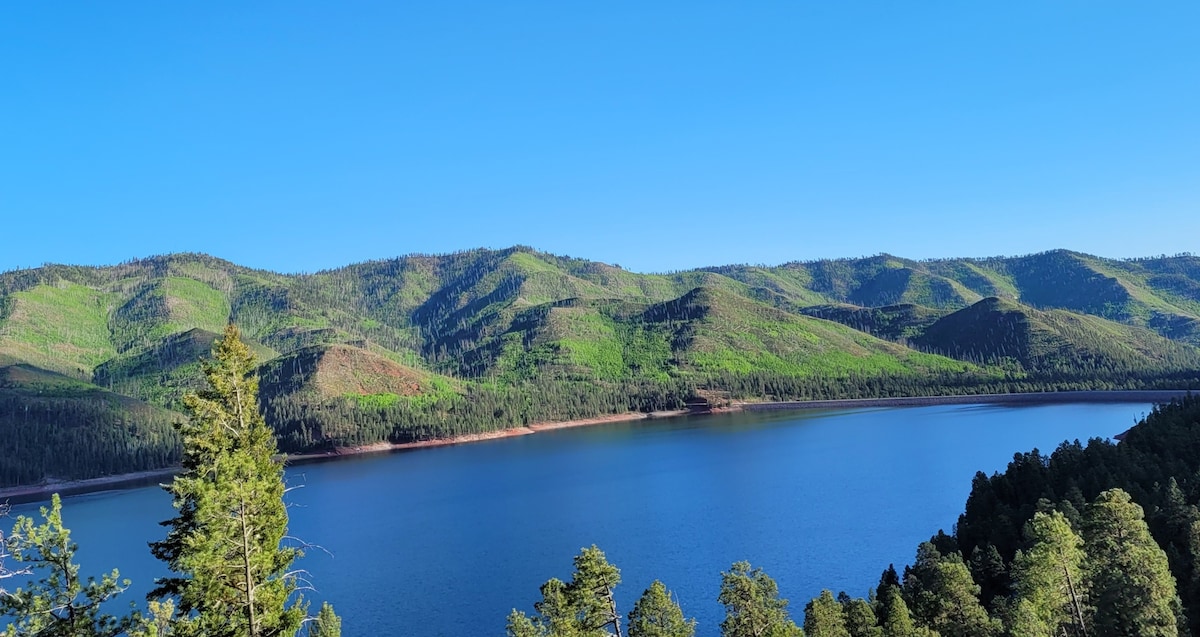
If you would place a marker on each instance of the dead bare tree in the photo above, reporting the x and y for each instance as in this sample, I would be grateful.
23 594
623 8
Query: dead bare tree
6 571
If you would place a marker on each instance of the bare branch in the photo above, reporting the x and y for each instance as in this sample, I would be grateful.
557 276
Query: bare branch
301 544
6 552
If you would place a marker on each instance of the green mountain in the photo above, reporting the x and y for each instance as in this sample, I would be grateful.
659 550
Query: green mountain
1160 293
995 330
890 322
431 345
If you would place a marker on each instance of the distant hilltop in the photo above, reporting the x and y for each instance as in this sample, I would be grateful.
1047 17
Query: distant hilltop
94 360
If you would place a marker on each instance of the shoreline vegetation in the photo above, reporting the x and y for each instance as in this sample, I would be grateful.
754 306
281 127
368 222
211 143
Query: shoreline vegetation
429 347
40 492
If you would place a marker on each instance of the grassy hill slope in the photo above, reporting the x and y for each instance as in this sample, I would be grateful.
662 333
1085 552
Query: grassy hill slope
427 345
995 330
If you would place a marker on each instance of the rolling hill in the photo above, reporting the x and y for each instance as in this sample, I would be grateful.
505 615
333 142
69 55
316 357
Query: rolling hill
995 330
429 345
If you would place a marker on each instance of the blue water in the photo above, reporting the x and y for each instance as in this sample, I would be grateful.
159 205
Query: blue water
447 541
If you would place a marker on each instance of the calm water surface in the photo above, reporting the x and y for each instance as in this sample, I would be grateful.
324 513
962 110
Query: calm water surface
447 541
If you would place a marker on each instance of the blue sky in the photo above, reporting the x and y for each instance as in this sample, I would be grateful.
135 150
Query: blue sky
298 136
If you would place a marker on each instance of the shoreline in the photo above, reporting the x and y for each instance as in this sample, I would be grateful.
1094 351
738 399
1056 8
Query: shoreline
1028 398
42 492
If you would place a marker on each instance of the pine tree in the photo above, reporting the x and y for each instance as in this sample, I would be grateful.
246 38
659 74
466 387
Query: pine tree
160 623
60 604
889 581
961 614
1052 591
657 614
591 591
860 618
823 617
326 624
584 607
753 607
898 622
1133 590
225 545
943 595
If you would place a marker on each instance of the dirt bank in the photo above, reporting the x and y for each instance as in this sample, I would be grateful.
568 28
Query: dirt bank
33 493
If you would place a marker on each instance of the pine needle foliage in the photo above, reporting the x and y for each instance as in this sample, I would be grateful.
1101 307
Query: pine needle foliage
61 603
233 575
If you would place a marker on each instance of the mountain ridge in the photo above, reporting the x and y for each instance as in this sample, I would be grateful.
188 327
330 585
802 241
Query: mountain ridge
425 346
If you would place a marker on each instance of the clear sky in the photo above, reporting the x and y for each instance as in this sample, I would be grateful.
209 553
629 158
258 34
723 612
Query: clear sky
299 135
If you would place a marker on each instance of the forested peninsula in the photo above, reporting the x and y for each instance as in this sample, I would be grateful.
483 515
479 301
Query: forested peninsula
94 361
1097 540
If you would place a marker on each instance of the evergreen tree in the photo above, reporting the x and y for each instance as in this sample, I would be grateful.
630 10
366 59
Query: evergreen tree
1133 590
60 604
889 580
1052 592
657 614
944 596
160 623
899 622
584 607
823 617
225 545
326 624
920 582
860 618
988 569
592 591
753 607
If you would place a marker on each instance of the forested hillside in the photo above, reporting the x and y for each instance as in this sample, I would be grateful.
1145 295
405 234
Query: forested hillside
436 345
1101 539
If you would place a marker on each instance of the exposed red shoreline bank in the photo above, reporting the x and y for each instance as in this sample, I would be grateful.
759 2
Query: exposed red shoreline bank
36 492
32 493
387 447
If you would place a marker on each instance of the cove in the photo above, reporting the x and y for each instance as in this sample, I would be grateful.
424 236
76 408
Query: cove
446 541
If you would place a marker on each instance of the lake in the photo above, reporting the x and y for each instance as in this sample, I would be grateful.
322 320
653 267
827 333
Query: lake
446 541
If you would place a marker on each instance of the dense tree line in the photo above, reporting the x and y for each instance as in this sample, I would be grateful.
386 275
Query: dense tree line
1095 541
80 437
304 425
486 317
72 437
1157 464
227 547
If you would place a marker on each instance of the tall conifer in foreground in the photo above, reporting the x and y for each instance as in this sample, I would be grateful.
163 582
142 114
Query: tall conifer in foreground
232 573
823 617
1052 590
1132 587
753 607
583 607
